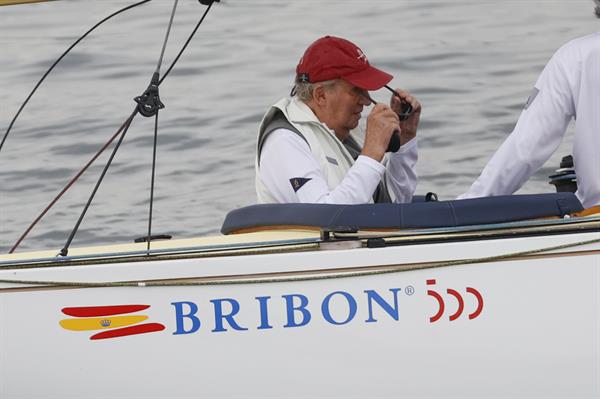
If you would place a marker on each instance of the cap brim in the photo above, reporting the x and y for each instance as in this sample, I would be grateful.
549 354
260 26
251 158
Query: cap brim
370 78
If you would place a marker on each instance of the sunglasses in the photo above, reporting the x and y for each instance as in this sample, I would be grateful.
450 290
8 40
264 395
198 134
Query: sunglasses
406 107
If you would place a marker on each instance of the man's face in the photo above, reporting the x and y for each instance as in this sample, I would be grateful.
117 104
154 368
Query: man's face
342 107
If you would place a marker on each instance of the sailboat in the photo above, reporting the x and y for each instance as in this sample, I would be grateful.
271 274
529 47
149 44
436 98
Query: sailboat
493 296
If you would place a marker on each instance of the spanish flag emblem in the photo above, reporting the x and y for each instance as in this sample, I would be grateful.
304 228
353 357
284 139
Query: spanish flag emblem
115 321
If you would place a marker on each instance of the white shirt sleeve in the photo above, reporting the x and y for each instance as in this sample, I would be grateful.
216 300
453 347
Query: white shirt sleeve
286 156
400 175
536 136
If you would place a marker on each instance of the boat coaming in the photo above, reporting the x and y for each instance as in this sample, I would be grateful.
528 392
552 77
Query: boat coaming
473 314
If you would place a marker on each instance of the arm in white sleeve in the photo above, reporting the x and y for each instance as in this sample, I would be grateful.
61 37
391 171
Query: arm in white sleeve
400 175
286 156
536 136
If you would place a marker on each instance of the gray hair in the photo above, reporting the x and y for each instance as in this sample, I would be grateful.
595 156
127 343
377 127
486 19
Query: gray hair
304 91
597 10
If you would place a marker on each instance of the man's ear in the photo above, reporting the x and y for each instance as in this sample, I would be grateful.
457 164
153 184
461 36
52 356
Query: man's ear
320 95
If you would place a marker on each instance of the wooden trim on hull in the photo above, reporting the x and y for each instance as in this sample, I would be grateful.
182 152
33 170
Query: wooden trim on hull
15 2
119 258
497 233
304 275
365 239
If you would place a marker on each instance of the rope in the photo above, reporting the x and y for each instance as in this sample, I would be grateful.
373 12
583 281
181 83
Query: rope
320 276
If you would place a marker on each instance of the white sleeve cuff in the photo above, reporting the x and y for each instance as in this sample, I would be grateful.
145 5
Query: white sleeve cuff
370 162
408 146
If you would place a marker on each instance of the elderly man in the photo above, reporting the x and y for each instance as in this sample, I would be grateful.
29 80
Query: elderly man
568 88
308 147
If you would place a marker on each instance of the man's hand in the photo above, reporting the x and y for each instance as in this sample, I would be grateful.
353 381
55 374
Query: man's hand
381 124
409 126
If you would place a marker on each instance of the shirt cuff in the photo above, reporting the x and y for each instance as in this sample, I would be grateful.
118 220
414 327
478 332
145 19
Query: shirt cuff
370 162
408 146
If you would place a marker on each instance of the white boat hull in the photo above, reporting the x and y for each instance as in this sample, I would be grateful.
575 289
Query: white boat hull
528 326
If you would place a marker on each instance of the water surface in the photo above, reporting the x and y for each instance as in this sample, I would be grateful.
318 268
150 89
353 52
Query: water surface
471 63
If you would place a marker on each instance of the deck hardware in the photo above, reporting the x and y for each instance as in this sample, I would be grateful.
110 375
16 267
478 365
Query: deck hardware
340 245
149 102
326 232
431 197
376 243
153 237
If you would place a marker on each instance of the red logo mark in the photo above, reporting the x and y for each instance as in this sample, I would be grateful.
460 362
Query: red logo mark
459 299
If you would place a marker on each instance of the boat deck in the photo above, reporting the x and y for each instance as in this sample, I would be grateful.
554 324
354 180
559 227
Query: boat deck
288 240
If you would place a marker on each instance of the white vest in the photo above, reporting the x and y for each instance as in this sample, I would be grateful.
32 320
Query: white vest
335 161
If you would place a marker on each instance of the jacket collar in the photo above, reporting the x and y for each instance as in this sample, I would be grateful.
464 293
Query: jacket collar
298 111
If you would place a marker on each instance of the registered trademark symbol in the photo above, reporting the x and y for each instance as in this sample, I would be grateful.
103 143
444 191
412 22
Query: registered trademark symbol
409 290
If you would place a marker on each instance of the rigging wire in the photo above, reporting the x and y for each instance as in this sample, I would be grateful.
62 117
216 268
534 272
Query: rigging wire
210 3
56 63
164 46
71 182
155 105
148 104
65 250
149 238
125 126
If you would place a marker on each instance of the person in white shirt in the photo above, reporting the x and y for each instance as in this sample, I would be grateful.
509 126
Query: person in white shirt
568 88
309 146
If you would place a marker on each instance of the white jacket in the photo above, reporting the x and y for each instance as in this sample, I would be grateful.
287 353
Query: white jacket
569 87
316 167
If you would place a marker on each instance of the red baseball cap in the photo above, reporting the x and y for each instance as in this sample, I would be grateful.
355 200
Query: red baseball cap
335 58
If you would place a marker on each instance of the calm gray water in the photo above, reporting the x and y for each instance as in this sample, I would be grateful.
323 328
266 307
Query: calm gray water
471 63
